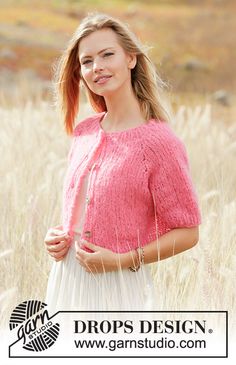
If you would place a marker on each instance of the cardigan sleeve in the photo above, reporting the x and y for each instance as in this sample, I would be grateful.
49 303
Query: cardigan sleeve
174 196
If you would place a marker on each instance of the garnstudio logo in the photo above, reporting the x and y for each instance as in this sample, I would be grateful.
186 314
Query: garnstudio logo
34 325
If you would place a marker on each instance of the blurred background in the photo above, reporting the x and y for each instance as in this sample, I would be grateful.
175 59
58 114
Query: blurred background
193 44
193 47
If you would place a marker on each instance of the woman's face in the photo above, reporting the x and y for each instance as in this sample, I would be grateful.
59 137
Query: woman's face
105 66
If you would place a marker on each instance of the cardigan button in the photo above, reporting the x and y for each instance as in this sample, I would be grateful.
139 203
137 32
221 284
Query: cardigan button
87 233
87 200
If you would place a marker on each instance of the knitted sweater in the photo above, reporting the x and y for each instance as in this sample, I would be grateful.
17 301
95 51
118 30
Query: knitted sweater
140 186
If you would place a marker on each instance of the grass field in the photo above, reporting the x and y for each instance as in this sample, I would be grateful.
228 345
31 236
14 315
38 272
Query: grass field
35 150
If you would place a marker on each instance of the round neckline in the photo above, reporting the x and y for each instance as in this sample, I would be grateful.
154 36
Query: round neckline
122 132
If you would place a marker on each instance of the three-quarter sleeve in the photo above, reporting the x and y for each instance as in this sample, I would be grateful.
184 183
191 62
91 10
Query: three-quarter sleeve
174 196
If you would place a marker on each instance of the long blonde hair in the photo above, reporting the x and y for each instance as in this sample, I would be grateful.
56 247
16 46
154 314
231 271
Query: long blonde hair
146 82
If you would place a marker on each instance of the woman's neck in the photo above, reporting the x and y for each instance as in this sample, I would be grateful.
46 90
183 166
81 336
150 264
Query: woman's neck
123 110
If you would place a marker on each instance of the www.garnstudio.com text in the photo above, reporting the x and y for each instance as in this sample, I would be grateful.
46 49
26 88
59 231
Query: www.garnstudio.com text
146 343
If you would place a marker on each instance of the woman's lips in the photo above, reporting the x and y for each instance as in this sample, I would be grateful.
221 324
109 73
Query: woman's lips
103 80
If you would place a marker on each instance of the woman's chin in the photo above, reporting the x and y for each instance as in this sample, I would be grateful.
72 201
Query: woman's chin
105 93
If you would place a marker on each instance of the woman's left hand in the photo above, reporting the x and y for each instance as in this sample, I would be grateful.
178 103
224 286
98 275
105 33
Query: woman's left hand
98 261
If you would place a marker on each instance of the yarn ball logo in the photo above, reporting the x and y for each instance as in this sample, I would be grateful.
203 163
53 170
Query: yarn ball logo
34 325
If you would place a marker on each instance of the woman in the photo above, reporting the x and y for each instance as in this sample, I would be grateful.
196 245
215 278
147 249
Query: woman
128 198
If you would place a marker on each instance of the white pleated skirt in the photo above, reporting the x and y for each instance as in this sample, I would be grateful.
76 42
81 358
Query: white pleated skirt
70 287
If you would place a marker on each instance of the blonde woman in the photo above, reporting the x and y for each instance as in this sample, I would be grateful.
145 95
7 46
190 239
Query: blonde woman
128 197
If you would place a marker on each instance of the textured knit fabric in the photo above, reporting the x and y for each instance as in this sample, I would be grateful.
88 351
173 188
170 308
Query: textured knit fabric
70 287
139 188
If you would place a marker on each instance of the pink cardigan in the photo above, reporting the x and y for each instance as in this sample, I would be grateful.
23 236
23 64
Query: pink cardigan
140 185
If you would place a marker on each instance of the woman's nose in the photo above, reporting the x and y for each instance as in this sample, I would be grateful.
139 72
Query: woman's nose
97 66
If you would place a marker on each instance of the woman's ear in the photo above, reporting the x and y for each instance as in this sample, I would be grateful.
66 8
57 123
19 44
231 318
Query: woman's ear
132 60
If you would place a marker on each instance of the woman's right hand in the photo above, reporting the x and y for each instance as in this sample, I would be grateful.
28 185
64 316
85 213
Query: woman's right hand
57 242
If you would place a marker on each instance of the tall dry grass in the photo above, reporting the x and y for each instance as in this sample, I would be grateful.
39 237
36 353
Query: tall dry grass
34 149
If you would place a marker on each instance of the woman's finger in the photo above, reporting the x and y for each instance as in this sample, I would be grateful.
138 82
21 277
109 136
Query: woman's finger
90 245
59 258
49 238
57 232
79 250
81 261
80 258
52 240
59 255
57 247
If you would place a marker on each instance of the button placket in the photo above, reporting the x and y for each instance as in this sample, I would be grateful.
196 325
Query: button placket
91 168
87 233
89 183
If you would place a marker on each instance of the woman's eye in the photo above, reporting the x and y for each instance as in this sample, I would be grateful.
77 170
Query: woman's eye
105 55
108 54
85 62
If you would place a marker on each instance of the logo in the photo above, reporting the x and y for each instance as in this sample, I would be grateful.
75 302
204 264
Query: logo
34 325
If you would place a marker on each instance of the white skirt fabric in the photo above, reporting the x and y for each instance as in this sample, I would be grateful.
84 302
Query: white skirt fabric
70 287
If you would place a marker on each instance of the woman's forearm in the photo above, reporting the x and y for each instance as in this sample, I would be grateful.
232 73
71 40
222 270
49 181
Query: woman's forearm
173 242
